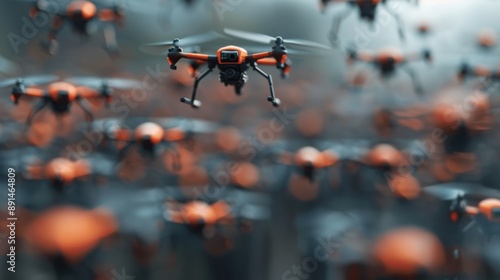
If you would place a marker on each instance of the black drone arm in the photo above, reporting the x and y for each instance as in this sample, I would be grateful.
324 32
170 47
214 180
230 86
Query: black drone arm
20 90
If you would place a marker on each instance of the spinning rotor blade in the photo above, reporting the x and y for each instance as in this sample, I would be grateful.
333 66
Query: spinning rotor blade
127 5
97 82
30 80
266 39
190 41
48 6
450 191
294 52
189 125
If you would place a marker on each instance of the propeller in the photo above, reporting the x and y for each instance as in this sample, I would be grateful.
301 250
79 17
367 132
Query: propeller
188 42
97 82
105 85
450 191
294 52
278 41
189 125
30 80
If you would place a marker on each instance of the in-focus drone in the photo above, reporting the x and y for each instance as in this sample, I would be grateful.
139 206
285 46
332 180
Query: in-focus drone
61 94
387 60
234 61
79 13
367 11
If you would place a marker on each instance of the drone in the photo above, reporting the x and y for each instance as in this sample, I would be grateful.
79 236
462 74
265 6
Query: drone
490 75
61 94
475 204
367 11
60 171
233 61
80 13
387 60
71 227
151 133
232 209
463 126
308 160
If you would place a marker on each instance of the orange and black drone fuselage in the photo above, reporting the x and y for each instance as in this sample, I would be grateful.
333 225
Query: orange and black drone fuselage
233 63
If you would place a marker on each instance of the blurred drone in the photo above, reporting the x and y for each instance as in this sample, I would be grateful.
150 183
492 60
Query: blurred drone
491 76
151 133
236 208
80 13
478 205
308 160
463 125
387 60
367 11
233 61
60 171
60 94
380 156
71 227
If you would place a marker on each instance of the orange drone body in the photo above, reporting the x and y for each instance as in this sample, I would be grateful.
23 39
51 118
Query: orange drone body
390 54
384 155
405 251
242 54
150 130
310 155
56 88
61 169
199 212
86 9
